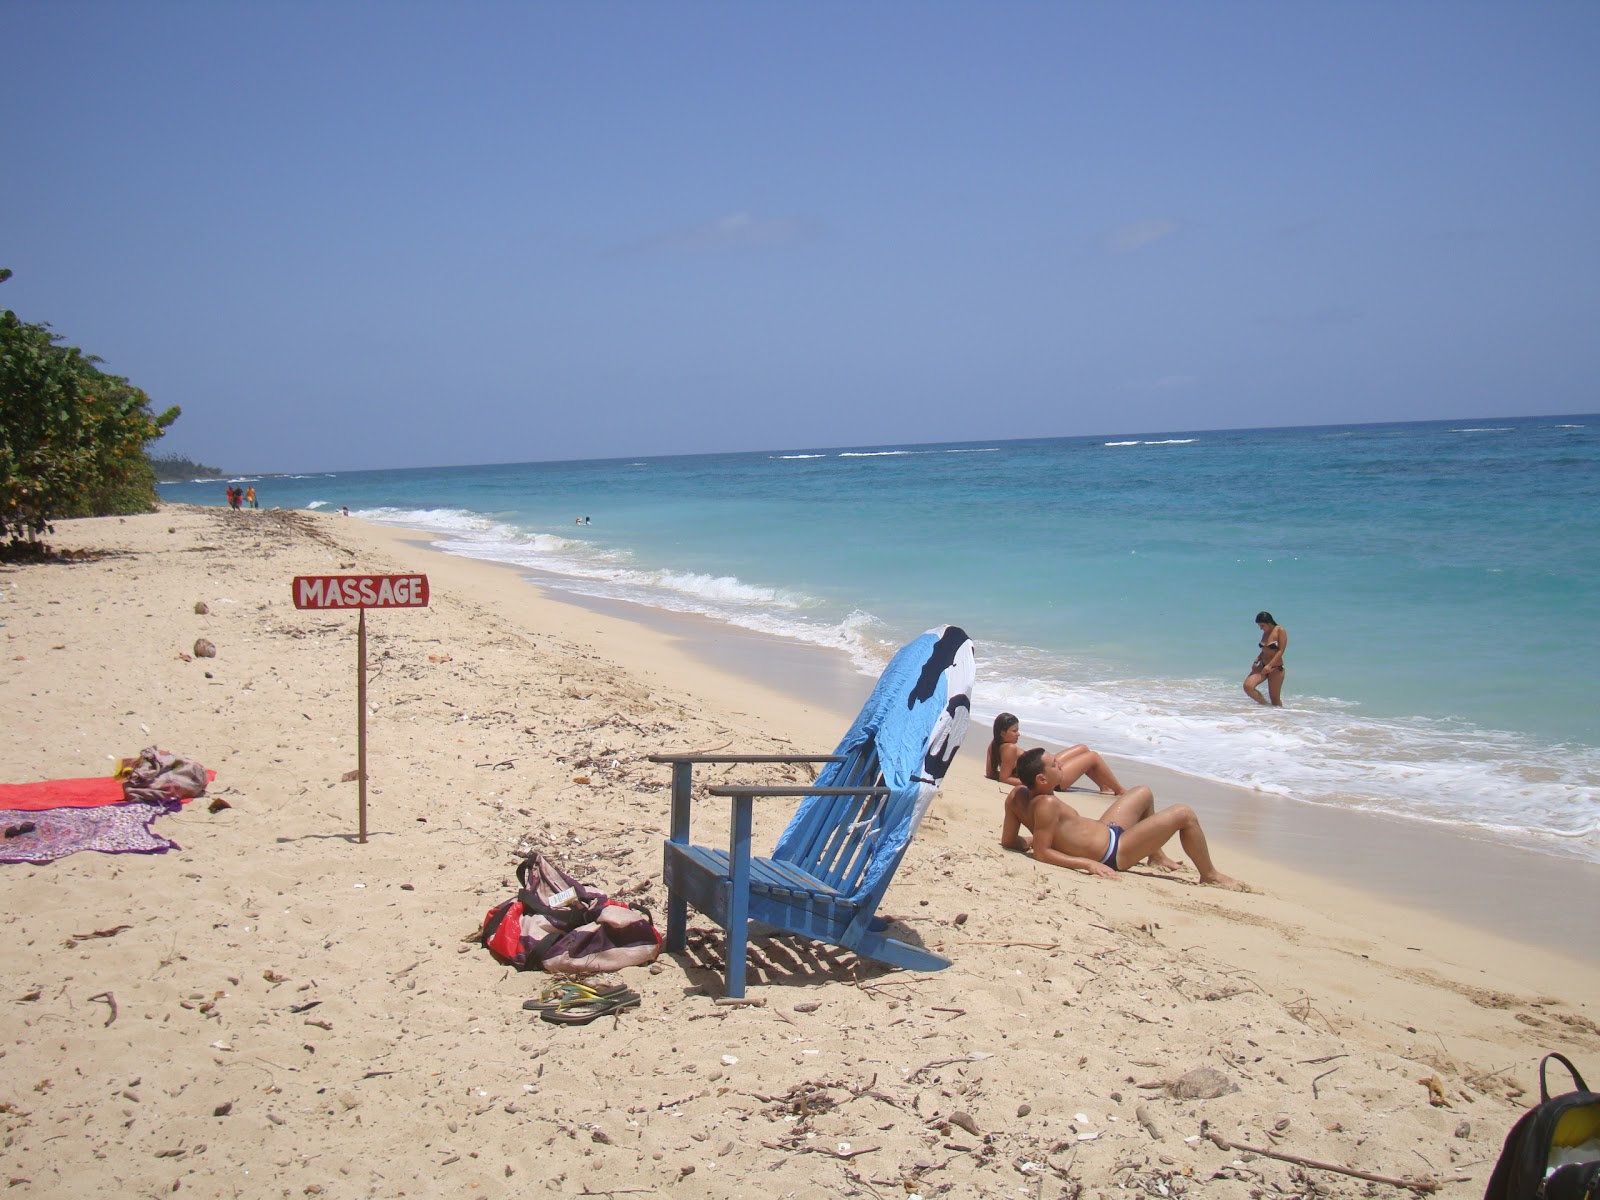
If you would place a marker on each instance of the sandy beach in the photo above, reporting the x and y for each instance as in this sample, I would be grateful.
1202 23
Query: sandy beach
277 1010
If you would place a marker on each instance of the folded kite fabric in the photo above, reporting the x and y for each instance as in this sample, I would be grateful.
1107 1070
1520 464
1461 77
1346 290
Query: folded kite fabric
58 832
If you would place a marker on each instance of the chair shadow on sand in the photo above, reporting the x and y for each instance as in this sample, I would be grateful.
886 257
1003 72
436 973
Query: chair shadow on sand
774 957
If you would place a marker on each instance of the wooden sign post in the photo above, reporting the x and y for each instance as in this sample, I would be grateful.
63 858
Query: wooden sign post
361 592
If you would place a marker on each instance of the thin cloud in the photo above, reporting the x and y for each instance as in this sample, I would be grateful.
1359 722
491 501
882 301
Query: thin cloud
736 231
1166 383
1125 239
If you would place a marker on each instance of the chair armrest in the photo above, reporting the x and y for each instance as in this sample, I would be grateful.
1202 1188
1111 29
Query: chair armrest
683 766
744 758
794 789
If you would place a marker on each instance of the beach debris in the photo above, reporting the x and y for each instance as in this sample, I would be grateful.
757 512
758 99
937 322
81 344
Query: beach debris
1423 1185
913 1076
963 1120
350 776
98 933
223 1109
204 649
110 1001
1202 1083
1436 1096
1147 1119
808 1006
1024 1109
218 805
201 607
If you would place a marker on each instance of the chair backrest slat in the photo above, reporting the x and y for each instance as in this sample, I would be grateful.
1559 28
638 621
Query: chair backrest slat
838 838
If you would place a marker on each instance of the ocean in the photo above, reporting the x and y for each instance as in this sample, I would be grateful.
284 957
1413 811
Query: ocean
1437 581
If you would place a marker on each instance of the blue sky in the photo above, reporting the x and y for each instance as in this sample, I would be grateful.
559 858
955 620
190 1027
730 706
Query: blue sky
347 235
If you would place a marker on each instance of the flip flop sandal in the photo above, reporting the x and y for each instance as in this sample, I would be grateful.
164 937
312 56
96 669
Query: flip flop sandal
581 1012
558 994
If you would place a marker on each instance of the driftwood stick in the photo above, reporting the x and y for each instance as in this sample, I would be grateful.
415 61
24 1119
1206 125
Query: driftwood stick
1415 1185
1324 1075
945 1062
110 1000
1035 945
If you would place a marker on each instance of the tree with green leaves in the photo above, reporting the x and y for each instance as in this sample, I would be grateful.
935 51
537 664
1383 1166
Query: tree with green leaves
72 438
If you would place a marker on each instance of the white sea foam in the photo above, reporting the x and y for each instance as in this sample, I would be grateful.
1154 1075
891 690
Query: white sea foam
1320 750
876 453
793 456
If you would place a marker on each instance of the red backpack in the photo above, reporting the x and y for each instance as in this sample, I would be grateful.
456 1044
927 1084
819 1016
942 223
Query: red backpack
567 927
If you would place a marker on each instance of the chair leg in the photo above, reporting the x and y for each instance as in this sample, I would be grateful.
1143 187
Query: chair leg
738 896
677 922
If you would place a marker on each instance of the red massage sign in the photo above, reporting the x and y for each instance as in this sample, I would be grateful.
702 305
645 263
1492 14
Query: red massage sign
361 591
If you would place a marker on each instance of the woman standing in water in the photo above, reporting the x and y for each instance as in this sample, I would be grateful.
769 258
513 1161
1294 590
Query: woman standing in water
1268 667
1073 762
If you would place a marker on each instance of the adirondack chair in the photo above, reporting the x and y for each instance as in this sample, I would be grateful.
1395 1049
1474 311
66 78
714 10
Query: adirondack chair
834 861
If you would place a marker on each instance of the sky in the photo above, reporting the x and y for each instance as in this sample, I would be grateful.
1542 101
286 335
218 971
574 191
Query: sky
356 235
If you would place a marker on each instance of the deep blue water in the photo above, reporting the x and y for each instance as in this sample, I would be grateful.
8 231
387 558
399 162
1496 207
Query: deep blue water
1437 581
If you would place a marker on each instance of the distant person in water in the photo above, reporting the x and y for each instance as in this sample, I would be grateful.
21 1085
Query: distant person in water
1127 833
1073 763
1268 666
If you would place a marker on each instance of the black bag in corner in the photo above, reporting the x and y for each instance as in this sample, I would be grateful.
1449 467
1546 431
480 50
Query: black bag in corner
1564 1121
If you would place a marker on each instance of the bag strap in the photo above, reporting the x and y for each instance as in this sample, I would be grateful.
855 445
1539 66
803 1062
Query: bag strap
492 922
1544 1090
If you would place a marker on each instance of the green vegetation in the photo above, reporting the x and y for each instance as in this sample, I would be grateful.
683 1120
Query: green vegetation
175 468
72 438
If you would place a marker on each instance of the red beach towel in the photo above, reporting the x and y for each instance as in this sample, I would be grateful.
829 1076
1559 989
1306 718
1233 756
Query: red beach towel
64 793
60 793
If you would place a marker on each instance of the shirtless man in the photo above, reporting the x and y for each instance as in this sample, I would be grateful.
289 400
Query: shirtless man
1128 832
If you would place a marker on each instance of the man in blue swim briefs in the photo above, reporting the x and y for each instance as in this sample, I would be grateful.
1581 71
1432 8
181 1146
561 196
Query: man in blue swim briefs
1128 832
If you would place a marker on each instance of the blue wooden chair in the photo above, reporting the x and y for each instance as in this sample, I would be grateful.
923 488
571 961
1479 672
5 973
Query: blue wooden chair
835 859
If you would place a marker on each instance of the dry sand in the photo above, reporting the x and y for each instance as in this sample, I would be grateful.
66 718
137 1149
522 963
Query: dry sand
297 1014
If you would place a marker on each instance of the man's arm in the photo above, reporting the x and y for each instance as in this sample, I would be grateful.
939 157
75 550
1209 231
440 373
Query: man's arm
1011 831
1046 816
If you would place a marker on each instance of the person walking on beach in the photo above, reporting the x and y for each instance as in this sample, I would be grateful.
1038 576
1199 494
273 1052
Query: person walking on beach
1126 833
250 496
1074 762
1268 666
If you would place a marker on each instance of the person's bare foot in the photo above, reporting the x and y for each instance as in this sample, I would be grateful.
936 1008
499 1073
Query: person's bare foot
1162 862
1226 881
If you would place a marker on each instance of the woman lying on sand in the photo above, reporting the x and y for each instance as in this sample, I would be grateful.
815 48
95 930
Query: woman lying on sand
1072 763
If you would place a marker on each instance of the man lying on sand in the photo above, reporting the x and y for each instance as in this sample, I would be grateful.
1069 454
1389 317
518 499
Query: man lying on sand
1128 832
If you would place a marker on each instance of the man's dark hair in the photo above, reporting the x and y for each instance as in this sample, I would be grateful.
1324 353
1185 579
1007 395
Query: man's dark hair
1029 766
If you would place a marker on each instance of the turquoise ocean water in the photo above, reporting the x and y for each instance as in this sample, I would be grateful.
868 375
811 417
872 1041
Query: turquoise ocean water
1438 582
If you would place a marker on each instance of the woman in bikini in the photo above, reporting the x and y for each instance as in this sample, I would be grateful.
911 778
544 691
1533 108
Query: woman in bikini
1074 762
1268 666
